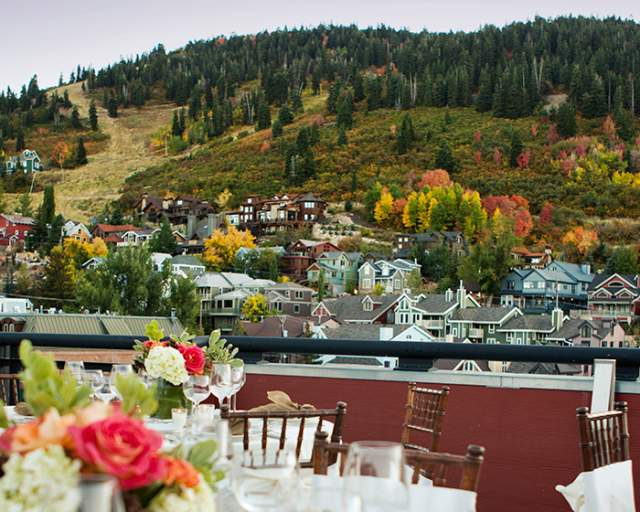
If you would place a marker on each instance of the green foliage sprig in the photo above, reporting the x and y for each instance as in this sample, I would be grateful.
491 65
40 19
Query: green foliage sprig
45 387
136 399
220 351
203 456
4 422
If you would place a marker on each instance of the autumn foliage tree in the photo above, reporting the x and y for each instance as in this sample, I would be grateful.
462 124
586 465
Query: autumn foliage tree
384 207
578 242
513 207
255 308
220 249
435 178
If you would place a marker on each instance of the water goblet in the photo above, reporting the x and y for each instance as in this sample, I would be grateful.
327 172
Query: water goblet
75 368
221 381
196 389
105 392
117 369
94 379
238 379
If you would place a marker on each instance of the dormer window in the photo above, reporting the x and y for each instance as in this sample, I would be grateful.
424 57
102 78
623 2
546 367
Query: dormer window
367 304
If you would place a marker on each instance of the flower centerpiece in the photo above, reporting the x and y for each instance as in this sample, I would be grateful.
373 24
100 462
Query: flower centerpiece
43 462
172 359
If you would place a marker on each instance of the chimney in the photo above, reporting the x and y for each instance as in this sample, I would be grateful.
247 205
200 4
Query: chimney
191 225
448 295
211 223
386 333
461 296
557 318
173 313
586 268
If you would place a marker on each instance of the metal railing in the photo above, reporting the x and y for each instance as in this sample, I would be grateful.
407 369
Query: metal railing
412 355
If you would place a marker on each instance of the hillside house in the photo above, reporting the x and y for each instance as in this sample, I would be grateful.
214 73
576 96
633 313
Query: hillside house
14 229
176 210
27 161
356 309
187 265
301 254
614 297
337 270
409 245
535 290
278 213
290 299
76 231
389 276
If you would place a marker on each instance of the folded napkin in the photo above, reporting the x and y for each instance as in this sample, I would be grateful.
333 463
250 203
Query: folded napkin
606 489
280 402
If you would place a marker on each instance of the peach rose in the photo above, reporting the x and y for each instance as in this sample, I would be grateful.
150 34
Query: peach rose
51 428
96 411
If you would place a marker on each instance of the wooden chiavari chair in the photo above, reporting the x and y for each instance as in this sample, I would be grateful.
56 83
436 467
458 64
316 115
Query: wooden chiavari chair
424 414
9 387
337 416
604 437
435 465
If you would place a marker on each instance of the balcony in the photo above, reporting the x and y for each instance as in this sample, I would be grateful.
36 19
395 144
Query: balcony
526 422
431 324
476 333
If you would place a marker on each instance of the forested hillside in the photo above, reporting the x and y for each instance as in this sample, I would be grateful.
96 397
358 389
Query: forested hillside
546 110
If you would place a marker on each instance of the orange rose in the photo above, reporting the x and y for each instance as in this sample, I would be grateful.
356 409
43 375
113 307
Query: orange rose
49 429
96 411
180 472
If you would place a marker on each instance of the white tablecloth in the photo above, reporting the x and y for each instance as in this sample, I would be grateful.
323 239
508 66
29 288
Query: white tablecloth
606 489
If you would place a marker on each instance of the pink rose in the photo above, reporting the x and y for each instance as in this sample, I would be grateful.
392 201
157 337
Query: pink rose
193 358
121 446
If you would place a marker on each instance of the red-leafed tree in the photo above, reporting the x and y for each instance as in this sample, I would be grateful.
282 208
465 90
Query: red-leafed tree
435 178
513 207
546 214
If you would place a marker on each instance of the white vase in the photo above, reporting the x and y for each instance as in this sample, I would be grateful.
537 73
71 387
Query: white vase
100 493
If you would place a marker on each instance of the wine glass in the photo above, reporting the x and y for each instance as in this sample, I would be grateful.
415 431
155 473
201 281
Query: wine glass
221 381
374 477
116 369
196 389
264 481
75 368
93 378
105 392
238 379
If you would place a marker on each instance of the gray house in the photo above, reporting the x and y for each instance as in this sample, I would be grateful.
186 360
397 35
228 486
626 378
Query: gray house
391 276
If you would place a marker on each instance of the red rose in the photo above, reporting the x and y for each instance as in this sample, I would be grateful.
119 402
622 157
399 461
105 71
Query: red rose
193 358
121 446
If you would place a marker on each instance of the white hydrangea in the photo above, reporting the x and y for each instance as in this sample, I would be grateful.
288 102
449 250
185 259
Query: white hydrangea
166 363
44 480
184 499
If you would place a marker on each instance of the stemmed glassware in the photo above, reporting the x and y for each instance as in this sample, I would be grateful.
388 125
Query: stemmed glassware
196 388
95 379
76 368
374 477
263 481
116 369
221 381
238 379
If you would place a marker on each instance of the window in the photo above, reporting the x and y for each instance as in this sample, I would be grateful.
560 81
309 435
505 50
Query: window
277 306
491 341
366 283
604 344
296 308
509 337
527 285
299 294
492 328
541 284
397 284
368 306
228 304
468 366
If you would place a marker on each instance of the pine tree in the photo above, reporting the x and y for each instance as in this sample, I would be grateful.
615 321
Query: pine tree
342 137
112 106
567 125
81 153
263 114
93 116
20 144
183 121
24 207
334 96
444 157
595 101
344 116
66 102
284 115
515 148
75 118
276 129
163 240
406 135
176 131
296 102
485 92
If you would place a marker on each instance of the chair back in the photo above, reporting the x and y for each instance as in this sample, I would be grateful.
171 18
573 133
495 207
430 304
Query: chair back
434 465
9 387
604 436
337 416
425 411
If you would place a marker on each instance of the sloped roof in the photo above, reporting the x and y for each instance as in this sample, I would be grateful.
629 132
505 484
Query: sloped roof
237 278
528 323
116 228
212 280
234 294
544 368
482 314
350 307
97 324
599 279
571 328
435 303
19 219
186 259
272 326
555 276
574 270
364 332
